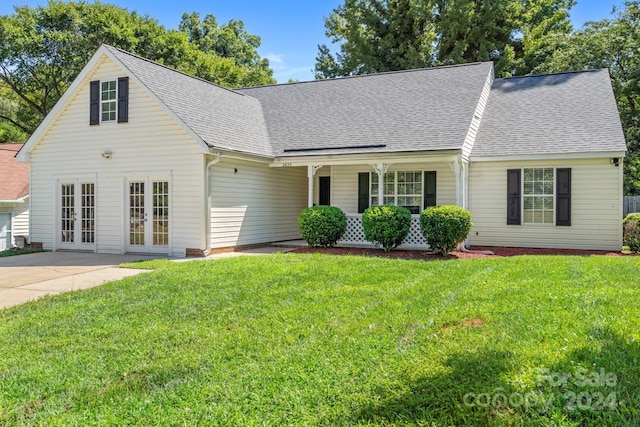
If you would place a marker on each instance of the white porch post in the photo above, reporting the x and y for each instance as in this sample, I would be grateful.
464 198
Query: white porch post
311 171
456 168
381 169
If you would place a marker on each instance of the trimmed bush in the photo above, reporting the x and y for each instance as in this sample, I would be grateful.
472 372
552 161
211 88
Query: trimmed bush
443 227
631 231
386 226
322 225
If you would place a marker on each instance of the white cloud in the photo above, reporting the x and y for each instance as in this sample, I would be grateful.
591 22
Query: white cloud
283 71
275 60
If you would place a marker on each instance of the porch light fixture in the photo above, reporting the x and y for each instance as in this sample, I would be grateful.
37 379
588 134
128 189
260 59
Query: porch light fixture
615 161
106 154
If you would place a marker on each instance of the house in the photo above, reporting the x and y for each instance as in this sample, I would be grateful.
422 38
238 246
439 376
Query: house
137 157
14 197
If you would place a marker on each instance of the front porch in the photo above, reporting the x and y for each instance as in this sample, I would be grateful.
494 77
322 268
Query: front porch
354 184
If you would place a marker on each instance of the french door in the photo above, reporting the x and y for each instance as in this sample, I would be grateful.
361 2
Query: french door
148 215
77 209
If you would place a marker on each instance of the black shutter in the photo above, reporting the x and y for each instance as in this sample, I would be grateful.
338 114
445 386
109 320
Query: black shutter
563 196
363 191
123 99
513 196
429 189
94 102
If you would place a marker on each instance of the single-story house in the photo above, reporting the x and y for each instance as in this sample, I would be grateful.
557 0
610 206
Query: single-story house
14 197
138 157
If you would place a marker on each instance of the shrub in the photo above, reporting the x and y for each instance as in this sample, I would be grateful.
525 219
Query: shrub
631 231
443 227
322 225
386 226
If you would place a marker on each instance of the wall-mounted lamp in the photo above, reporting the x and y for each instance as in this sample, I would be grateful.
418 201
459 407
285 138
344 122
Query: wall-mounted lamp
106 154
235 170
615 161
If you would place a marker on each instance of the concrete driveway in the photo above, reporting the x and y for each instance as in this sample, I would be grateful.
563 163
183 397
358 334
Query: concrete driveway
27 277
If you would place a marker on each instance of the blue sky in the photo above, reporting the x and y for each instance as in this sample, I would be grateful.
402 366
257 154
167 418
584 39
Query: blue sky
290 30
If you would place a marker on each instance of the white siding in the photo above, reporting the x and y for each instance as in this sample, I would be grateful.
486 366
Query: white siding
596 207
470 139
256 204
21 219
344 183
150 144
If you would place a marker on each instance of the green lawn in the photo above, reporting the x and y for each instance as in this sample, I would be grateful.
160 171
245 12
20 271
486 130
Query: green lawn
320 340
18 251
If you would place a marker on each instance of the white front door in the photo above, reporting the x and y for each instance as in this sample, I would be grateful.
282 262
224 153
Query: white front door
148 215
77 209
5 231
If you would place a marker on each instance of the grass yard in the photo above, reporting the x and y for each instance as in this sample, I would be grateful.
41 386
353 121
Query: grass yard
18 251
325 340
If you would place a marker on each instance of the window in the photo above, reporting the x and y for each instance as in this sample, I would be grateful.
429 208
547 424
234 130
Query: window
108 101
403 188
538 196
414 190
542 196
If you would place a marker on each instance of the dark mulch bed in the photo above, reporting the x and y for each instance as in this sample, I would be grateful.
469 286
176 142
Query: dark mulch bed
417 254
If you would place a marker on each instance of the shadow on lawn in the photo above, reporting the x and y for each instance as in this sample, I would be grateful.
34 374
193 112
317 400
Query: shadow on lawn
476 390
597 387
449 398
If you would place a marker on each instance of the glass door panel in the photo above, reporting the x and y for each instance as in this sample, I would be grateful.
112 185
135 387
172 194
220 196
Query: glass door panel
160 213
87 213
137 214
148 233
77 209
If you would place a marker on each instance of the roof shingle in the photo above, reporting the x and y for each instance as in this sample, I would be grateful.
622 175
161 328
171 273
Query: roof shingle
550 114
416 110
14 176
221 117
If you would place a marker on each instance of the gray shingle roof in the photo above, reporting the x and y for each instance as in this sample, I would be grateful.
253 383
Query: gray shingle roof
222 118
418 110
427 109
549 114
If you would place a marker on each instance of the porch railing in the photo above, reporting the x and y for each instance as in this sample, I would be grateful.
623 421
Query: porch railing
355 234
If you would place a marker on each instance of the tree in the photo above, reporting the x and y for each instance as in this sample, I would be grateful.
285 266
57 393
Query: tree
227 41
611 43
472 31
377 36
545 24
386 35
43 49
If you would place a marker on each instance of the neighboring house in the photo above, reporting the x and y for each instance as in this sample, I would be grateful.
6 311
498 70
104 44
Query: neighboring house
14 196
137 157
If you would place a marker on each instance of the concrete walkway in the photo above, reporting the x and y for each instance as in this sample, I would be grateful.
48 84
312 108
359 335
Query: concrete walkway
25 278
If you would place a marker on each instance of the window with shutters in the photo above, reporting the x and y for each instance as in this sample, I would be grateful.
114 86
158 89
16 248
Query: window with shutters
401 188
538 195
108 101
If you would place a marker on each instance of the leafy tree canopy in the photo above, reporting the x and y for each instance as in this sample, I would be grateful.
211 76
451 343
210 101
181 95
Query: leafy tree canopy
387 35
43 49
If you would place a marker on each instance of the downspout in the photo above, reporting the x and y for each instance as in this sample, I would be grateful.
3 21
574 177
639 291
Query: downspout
465 205
210 163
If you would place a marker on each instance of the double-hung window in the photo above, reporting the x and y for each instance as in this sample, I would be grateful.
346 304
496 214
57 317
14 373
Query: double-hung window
414 190
539 196
108 101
